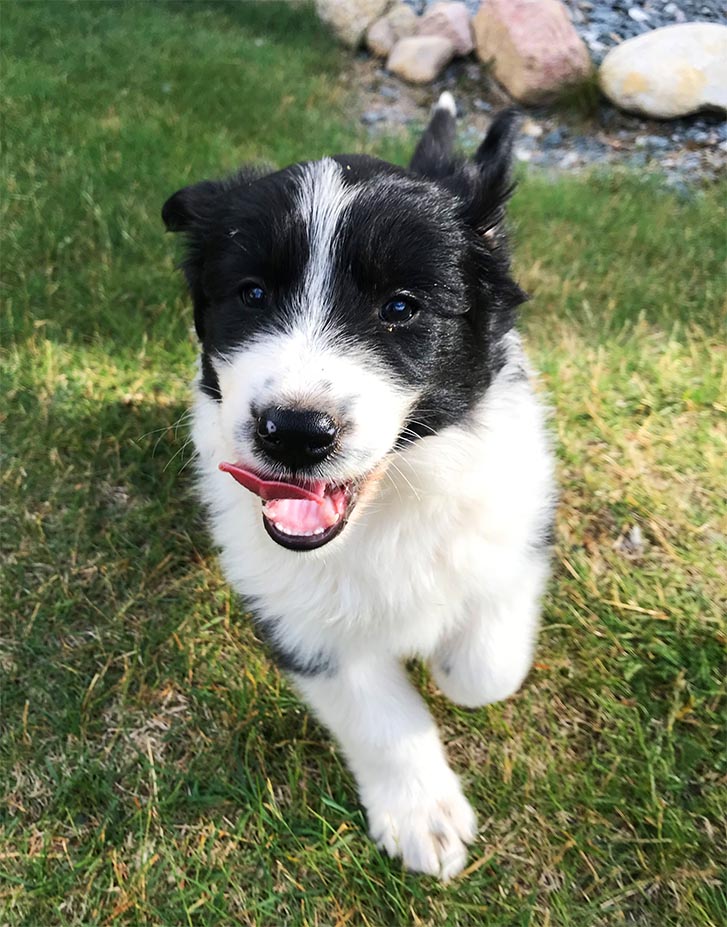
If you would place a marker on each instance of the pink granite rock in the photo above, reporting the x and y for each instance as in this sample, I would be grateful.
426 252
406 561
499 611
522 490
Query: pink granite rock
451 21
532 46
420 59
401 21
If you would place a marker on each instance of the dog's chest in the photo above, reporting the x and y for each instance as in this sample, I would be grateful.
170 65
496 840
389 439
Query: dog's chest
405 576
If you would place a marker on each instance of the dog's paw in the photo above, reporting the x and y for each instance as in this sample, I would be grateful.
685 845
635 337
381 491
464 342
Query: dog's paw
428 829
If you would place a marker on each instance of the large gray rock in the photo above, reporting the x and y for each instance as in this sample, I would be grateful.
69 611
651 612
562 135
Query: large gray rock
350 19
420 59
532 47
669 72
401 21
452 21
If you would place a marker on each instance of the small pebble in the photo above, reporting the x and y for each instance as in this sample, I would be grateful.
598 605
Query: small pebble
569 159
553 139
532 129
639 16
372 116
651 141
389 93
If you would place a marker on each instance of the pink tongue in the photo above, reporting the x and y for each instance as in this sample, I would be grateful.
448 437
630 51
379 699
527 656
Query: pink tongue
273 489
295 516
292 508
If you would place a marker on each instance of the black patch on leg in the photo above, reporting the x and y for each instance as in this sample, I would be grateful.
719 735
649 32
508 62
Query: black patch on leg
288 660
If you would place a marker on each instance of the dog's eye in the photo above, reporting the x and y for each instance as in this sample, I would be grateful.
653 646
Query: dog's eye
398 311
253 295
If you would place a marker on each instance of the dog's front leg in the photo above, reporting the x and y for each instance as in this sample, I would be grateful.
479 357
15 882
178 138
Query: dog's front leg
489 657
414 801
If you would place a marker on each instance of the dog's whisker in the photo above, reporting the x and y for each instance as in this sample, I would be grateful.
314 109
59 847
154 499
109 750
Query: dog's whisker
189 460
178 452
173 425
406 480
393 482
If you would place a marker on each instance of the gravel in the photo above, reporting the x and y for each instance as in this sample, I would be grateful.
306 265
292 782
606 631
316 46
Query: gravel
603 25
682 150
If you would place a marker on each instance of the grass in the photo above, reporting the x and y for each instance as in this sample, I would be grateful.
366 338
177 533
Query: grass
154 767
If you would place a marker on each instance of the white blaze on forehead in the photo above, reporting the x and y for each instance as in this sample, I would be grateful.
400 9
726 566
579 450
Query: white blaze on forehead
309 362
323 200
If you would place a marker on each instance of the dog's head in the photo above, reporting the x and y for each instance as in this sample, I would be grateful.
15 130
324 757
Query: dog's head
346 307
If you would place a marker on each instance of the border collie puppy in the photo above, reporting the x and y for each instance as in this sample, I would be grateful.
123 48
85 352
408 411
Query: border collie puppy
374 460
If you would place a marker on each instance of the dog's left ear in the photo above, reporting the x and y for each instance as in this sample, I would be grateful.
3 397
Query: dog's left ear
188 208
491 184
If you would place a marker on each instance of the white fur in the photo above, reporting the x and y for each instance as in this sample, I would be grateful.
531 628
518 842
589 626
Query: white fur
323 200
439 564
446 101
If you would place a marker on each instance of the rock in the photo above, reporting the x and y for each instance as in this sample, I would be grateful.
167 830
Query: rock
653 142
372 116
389 93
350 19
553 138
569 160
669 72
419 59
630 542
401 21
532 45
451 21
638 16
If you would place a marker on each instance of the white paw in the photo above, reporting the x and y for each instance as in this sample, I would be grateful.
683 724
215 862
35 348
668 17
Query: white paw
427 825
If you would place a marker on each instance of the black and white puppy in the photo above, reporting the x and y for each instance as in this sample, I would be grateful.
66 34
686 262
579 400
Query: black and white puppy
374 460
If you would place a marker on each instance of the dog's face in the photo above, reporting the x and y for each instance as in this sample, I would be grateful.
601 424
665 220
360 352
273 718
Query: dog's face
345 307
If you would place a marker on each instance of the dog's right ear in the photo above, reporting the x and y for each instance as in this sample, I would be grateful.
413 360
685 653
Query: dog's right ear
188 208
196 211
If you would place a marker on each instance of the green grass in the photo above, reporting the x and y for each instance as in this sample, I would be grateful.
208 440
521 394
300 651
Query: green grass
154 767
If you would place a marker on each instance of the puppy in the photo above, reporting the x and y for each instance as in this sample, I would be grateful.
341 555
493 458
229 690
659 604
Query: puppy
372 455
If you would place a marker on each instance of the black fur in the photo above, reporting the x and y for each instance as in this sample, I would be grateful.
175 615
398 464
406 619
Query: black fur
288 660
434 231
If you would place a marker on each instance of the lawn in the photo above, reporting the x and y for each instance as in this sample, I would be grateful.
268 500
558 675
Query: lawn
155 769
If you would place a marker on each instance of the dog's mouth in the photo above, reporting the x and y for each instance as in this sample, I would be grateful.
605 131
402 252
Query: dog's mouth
301 515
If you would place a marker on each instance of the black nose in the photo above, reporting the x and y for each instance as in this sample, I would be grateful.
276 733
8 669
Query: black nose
294 437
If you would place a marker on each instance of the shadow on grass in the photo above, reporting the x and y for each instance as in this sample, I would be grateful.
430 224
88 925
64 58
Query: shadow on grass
130 658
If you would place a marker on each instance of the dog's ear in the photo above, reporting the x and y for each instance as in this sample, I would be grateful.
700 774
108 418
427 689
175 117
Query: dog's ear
491 181
193 211
434 155
191 208
188 208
